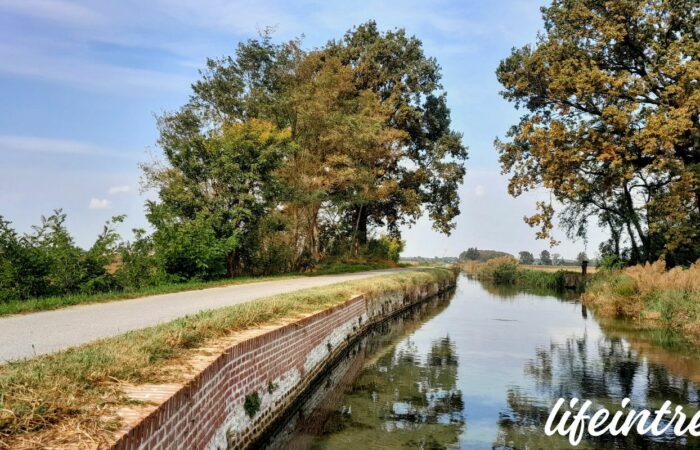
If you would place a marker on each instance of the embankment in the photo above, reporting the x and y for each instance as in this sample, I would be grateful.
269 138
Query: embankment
214 380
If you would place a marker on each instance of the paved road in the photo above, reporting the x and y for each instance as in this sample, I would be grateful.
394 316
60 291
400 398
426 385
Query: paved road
38 333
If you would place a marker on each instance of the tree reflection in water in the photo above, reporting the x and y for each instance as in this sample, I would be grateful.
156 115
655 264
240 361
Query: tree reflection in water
604 371
403 400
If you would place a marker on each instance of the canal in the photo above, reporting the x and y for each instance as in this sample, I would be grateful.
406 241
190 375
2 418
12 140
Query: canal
479 369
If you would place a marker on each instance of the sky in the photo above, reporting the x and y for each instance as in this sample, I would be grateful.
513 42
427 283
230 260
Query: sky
81 82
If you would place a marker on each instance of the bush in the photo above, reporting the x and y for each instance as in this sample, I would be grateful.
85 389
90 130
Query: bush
502 270
385 247
611 262
191 249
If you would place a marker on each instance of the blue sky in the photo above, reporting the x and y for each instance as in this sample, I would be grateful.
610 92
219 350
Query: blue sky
81 81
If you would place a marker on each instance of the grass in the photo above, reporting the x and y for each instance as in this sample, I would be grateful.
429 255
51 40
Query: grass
53 400
49 303
590 269
661 299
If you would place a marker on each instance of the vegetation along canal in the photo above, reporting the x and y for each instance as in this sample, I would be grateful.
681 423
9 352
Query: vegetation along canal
480 368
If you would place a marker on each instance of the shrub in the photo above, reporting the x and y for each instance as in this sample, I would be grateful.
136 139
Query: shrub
385 247
252 404
611 262
502 270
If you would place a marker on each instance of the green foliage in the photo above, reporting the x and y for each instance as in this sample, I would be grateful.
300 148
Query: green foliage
191 249
667 301
47 262
540 279
611 262
138 266
252 404
545 258
385 248
214 191
393 66
362 149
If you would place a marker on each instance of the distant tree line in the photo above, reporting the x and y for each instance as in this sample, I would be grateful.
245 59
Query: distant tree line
525 257
281 159
547 259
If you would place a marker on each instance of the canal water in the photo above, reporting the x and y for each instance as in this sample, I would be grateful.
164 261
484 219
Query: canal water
479 369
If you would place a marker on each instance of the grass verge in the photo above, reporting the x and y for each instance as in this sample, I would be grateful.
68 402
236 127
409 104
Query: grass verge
54 400
49 303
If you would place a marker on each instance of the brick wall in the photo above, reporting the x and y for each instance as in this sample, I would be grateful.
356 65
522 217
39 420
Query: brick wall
210 412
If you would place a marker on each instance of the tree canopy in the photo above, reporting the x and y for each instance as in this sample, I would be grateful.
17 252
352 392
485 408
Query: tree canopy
611 123
283 148
526 257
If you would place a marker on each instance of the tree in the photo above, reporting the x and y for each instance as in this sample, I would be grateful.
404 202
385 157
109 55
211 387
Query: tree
213 190
582 257
556 259
545 258
342 147
369 145
471 254
429 167
526 257
611 125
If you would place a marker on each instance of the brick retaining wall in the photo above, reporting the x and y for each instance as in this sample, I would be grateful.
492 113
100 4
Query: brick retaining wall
209 411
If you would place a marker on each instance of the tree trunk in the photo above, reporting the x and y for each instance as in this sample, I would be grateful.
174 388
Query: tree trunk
361 216
230 264
635 249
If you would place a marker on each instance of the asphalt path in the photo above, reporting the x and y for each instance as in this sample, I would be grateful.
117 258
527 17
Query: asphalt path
28 335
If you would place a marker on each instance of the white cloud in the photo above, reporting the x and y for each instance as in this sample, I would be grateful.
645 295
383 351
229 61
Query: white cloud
10 143
119 189
33 144
53 11
29 61
96 203
479 190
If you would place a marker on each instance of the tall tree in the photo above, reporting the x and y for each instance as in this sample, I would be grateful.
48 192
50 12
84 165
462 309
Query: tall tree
612 125
526 257
545 258
430 166
342 145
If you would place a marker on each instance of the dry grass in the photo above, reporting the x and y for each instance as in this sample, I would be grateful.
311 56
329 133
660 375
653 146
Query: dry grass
70 398
661 298
648 277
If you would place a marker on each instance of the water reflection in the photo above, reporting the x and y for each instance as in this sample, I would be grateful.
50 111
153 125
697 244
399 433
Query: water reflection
385 393
482 371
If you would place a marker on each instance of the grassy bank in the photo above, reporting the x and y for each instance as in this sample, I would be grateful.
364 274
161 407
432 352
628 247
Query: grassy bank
660 299
49 303
507 271
70 398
